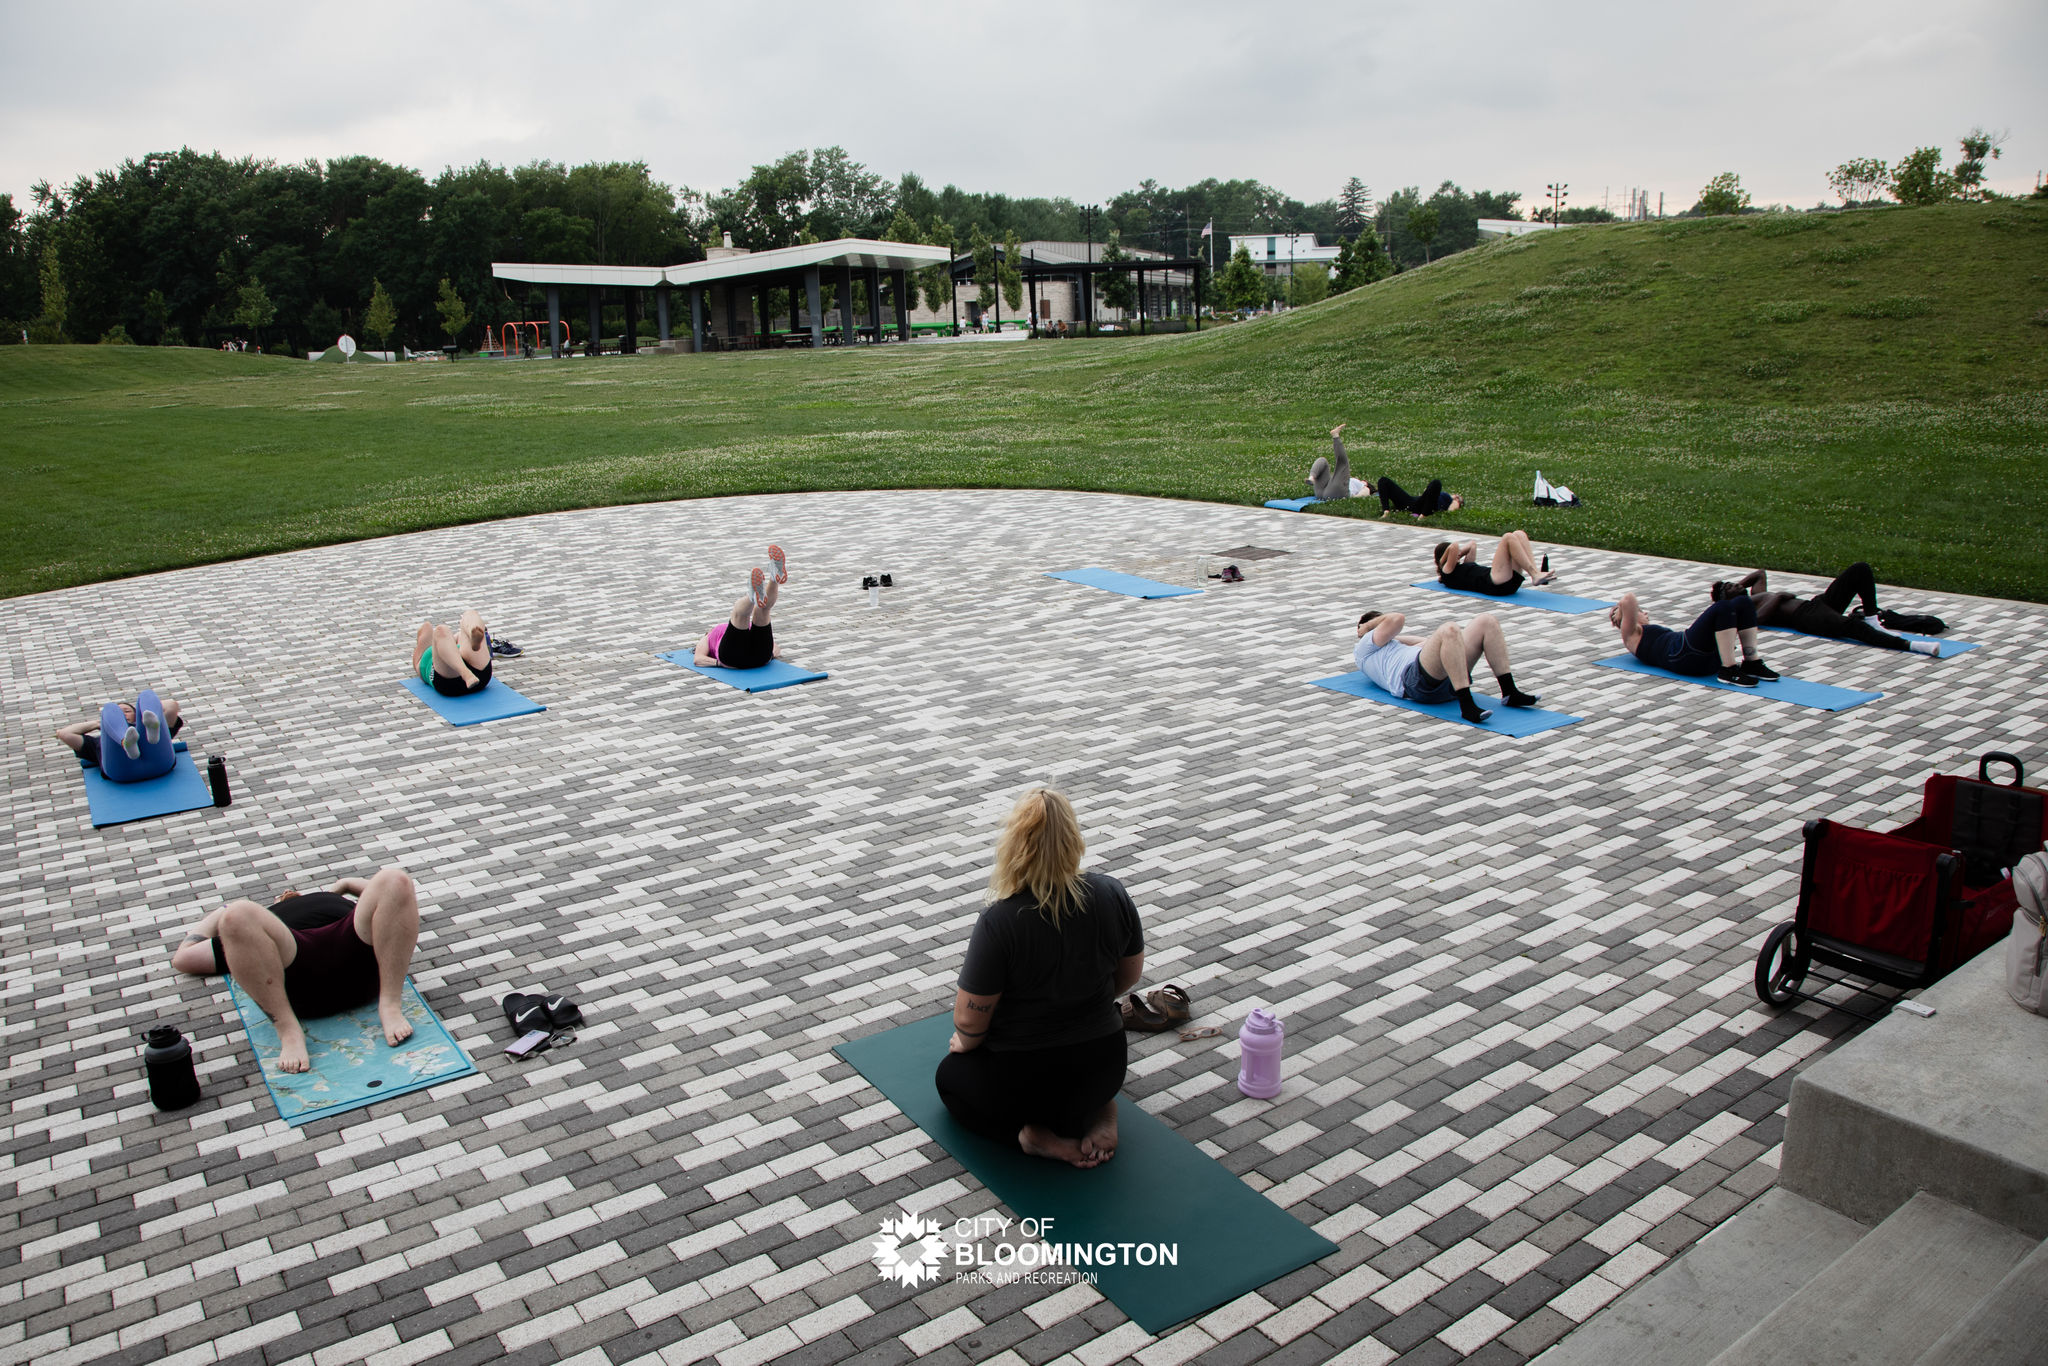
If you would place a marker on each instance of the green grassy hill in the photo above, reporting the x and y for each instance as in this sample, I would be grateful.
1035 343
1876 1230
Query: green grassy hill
1792 391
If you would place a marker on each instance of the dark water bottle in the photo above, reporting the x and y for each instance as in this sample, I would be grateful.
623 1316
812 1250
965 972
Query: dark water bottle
217 779
167 1056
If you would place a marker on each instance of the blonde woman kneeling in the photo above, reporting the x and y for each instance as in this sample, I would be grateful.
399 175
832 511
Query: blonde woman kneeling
1038 1054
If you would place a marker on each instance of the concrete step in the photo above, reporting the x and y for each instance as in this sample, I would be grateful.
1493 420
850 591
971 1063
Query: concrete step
1691 1310
1892 1296
2009 1327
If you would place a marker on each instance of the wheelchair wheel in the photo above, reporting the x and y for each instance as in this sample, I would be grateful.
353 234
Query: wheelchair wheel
1779 968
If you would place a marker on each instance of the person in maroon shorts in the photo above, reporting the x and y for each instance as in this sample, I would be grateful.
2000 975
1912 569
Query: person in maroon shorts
317 954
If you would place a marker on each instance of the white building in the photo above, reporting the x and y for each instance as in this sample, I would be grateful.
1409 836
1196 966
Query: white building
1279 253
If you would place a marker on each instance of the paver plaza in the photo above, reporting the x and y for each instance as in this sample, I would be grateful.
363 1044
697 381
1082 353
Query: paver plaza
1525 1065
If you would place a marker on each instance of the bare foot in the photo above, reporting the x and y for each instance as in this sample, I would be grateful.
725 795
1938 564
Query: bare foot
1040 1141
291 1052
397 1029
1100 1140
1338 430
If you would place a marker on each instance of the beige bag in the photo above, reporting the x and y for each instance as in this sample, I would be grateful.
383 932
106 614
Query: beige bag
2026 949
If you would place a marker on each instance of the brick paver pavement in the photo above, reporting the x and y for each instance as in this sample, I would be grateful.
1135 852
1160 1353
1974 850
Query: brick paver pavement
1524 1063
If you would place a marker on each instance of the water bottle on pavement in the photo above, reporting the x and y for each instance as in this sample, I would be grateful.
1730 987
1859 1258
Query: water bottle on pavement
1259 1044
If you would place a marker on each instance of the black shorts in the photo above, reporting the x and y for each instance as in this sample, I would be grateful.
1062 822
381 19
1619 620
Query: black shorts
455 687
746 649
1477 578
333 970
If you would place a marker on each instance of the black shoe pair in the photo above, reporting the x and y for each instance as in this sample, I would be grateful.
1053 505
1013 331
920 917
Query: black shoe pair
526 1013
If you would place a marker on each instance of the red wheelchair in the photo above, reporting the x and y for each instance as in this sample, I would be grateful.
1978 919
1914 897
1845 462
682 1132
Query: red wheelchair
1904 908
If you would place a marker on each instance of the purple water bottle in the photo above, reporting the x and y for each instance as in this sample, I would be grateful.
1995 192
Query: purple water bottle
1259 1044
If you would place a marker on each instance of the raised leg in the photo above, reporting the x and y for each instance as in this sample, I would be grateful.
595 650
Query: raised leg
449 660
1512 555
422 642
769 592
1443 654
388 920
1484 636
1857 581
743 613
259 949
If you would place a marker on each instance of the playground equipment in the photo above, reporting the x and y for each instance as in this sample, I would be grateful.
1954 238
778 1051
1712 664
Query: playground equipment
510 335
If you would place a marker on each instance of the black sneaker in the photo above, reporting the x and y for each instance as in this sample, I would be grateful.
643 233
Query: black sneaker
504 649
1734 674
1757 669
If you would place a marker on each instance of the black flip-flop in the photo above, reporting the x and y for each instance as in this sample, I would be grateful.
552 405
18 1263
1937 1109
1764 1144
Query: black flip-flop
526 1012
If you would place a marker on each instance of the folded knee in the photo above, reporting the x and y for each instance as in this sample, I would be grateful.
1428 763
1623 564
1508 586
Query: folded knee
1486 621
395 883
242 917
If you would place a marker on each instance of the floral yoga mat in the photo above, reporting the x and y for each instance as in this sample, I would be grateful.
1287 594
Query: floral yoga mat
352 1065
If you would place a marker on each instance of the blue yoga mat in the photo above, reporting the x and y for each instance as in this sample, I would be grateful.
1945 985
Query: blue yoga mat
1948 649
1540 598
1159 1189
1505 720
494 703
1291 504
1799 692
776 673
182 789
352 1065
1130 585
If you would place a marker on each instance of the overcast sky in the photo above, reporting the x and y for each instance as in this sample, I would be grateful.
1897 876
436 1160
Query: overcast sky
1081 100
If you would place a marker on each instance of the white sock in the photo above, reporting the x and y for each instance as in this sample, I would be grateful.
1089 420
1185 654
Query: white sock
131 743
152 726
1931 648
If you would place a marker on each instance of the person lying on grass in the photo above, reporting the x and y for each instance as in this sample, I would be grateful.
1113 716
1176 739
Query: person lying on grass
1830 615
1331 478
153 723
1457 566
304 957
1709 646
1431 500
1437 667
1038 1053
746 640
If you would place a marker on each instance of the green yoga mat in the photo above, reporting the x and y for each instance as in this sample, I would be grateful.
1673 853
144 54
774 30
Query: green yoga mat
1158 1189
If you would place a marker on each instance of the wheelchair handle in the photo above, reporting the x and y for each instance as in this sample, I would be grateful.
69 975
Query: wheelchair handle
2019 771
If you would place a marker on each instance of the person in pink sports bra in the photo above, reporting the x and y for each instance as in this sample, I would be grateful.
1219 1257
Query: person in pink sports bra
746 640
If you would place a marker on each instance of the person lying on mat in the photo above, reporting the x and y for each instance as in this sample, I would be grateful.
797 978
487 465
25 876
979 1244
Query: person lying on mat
1829 615
1709 646
1331 479
745 640
1457 566
1431 500
1038 1053
126 727
304 957
454 663
1437 667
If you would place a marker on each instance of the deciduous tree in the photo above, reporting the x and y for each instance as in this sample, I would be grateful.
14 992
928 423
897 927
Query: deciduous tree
1116 288
454 313
380 320
1859 178
1919 179
1422 226
1010 269
937 280
1722 195
1242 286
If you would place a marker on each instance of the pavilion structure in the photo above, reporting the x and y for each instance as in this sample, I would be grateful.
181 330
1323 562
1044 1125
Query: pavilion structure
734 287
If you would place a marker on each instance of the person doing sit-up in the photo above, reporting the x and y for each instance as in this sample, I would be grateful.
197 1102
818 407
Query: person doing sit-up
1438 667
1717 638
745 640
1828 614
1457 566
454 663
128 728
319 954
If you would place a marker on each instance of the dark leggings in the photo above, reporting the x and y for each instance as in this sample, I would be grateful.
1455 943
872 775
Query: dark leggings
1063 1088
1393 499
1823 615
1693 651
1857 581
1730 614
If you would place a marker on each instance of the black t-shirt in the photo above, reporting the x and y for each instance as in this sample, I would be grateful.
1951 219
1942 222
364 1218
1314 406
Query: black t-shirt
1058 983
310 911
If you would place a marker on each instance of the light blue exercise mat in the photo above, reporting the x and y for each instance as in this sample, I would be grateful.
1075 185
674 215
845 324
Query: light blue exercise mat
494 702
776 673
1799 692
1291 504
1159 1190
352 1065
1542 599
1130 585
1948 649
182 789
1505 720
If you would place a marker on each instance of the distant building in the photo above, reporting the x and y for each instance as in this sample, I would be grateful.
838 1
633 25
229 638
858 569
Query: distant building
1279 253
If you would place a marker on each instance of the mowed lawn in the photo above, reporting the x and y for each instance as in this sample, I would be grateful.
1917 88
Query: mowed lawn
1795 391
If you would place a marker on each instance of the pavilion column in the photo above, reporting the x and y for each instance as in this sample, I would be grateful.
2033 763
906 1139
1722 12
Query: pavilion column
661 312
629 339
555 321
846 304
1031 279
814 298
1144 317
594 343
903 305
796 300
875 299
732 321
697 318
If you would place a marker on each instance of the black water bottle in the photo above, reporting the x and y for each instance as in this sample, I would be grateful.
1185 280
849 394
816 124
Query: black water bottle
217 779
167 1056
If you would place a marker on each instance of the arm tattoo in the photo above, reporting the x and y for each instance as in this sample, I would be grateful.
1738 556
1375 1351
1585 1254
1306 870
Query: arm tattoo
979 1009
